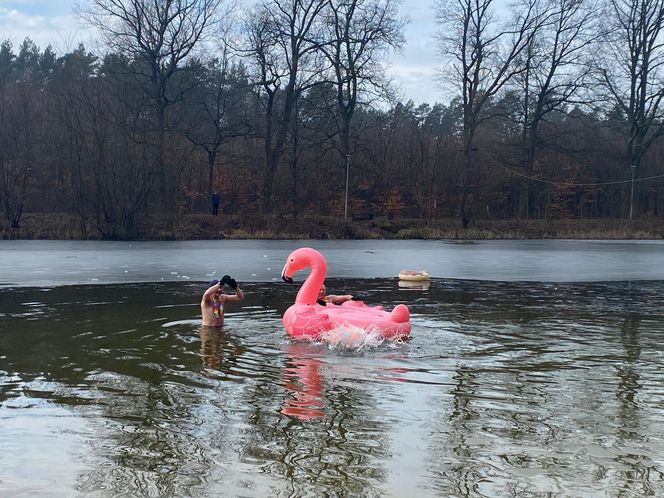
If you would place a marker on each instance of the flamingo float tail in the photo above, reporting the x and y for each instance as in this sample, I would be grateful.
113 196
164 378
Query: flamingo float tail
400 313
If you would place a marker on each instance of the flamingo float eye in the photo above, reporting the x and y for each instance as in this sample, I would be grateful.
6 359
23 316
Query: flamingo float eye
292 260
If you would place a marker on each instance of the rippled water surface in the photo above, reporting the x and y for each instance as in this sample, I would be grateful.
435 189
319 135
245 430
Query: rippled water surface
504 389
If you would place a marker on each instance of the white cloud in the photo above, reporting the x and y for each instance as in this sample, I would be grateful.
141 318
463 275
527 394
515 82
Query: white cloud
62 31
415 68
416 82
52 22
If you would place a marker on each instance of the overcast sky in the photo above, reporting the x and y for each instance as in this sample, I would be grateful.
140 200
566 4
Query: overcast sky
52 21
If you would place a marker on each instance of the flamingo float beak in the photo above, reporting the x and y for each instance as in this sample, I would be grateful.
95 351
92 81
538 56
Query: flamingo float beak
286 278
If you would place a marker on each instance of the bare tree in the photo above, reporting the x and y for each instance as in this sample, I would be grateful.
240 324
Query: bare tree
555 69
110 173
74 92
481 52
359 33
158 36
217 110
6 69
21 131
633 74
283 44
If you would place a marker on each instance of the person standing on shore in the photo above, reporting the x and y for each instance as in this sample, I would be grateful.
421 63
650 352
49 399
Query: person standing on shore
216 199
213 301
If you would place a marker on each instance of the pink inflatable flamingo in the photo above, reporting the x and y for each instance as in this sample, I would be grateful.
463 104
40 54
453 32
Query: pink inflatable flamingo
307 319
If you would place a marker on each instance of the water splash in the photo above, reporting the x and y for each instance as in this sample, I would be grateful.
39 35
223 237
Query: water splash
352 337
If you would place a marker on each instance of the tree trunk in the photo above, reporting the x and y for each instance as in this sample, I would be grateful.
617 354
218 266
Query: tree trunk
464 212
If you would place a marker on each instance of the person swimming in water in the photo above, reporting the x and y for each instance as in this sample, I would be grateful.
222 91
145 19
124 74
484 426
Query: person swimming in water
213 301
324 299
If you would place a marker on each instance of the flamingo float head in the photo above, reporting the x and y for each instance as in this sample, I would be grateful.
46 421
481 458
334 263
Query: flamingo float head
299 259
302 258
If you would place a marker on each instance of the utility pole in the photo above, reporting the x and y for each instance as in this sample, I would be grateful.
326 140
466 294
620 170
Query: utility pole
346 203
631 199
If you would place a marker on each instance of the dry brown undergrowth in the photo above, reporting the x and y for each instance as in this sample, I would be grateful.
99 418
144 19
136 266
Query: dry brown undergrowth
203 227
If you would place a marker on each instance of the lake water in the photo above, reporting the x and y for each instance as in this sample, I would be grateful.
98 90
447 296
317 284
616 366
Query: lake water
533 369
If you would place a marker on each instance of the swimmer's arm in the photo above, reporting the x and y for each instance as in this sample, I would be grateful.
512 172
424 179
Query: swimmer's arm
208 293
238 296
338 299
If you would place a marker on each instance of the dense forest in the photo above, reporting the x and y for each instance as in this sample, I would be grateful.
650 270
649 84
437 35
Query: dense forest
284 109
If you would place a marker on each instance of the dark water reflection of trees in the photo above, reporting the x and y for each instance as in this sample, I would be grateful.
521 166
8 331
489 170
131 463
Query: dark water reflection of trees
547 408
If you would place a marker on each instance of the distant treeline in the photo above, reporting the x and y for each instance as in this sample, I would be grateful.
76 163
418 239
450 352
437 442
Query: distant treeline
555 116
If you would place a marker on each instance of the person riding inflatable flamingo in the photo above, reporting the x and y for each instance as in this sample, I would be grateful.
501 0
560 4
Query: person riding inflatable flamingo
306 319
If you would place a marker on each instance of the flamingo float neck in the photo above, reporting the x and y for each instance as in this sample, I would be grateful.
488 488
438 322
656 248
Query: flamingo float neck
308 293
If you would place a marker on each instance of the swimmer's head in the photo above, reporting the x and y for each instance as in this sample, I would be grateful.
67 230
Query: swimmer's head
322 292
215 282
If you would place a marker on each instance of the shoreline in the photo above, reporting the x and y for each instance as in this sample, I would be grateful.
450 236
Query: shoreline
36 226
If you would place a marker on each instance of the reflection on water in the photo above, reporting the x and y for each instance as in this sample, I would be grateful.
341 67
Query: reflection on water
404 284
503 389
303 378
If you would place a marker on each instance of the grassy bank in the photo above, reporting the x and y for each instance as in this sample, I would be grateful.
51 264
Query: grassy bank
197 227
